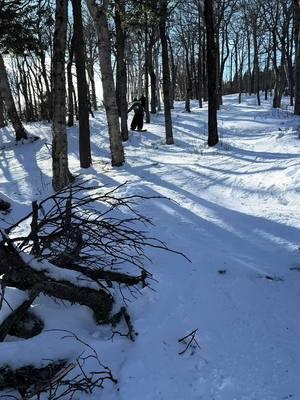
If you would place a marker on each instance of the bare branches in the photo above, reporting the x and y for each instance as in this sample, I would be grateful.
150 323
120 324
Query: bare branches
117 318
189 341
92 232
80 245
31 381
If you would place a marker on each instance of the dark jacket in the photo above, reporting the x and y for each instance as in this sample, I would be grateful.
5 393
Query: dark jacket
136 107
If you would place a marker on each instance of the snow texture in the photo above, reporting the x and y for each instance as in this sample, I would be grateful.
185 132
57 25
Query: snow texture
233 210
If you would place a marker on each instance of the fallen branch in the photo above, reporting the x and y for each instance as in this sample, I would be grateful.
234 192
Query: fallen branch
117 318
12 320
190 341
22 276
97 274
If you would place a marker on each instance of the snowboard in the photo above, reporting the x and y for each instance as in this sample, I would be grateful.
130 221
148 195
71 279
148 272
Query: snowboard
139 130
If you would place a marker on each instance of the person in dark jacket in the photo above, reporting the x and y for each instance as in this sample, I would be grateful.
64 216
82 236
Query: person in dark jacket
138 118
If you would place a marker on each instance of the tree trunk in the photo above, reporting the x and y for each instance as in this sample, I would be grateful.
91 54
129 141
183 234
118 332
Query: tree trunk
99 16
82 88
147 69
200 74
166 72
211 62
204 68
23 84
2 118
7 97
91 73
256 79
158 74
297 61
47 85
225 43
121 81
173 75
152 74
61 173
70 84
188 81
250 86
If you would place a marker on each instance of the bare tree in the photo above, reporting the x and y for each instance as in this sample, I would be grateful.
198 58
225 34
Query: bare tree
297 61
211 54
6 95
99 15
61 173
163 14
82 88
121 81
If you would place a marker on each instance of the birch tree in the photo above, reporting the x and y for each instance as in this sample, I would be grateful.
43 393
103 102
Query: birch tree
99 15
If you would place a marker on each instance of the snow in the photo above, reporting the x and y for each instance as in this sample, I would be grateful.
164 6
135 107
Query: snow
233 210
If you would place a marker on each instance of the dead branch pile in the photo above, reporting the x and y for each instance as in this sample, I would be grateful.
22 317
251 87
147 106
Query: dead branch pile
97 237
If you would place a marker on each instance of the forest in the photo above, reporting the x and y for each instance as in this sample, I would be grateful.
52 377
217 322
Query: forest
149 191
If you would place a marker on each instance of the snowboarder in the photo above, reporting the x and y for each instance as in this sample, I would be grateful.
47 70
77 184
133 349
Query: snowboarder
138 118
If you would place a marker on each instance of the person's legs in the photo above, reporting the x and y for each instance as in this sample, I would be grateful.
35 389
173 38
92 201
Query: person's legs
140 121
134 122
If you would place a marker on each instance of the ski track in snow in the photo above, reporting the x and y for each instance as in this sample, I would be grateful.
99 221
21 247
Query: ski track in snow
232 208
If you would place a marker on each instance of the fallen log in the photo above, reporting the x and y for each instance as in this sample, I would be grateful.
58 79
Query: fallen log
22 276
28 326
96 274
13 319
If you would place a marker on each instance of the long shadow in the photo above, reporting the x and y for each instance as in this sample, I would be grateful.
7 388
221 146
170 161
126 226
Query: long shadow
264 156
26 181
189 129
247 234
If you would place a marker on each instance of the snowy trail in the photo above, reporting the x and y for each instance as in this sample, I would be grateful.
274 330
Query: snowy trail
233 209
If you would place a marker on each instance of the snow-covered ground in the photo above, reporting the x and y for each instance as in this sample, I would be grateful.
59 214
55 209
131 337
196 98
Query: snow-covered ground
234 212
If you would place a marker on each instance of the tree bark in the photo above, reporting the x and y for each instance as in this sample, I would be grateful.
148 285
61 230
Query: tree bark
211 62
166 72
188 80
61 173
99 16
225 43
173 74
200 75
256 79
152 74
297 61
147 69
47 85
70 84
121 82
2 117
82 88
